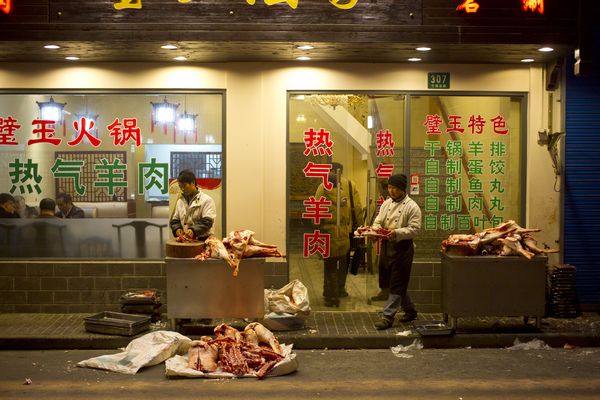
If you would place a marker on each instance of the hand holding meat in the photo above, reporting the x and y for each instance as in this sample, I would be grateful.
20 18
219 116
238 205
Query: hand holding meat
374 233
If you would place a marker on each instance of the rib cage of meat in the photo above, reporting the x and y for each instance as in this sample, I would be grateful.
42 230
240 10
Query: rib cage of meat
238 245
236 352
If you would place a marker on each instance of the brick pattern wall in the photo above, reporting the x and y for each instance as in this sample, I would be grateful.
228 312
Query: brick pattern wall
89 287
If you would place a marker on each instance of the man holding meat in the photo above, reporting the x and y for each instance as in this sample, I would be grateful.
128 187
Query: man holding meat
402 216
195 212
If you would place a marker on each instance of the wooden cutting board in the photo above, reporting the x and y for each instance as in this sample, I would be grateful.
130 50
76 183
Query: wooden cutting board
184 250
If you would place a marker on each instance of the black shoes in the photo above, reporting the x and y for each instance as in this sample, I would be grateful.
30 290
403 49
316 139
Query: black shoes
383 324
381 296
331 302
407 317
343 293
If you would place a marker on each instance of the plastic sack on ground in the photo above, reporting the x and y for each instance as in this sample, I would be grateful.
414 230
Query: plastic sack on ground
150 349
286 309
416 345
177 366
535 344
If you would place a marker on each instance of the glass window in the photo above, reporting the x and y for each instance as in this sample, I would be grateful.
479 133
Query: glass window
117 156
462 155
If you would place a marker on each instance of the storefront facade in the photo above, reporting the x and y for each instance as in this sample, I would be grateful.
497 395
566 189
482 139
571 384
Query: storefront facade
260 119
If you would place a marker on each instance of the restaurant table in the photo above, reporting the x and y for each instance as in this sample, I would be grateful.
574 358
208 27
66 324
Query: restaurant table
493 286
208 289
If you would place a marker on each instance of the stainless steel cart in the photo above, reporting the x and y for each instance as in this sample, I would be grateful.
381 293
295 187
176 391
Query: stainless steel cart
493 286
207 289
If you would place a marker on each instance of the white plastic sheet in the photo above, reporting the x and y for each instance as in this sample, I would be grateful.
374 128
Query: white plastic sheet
535 344
398 350
150 349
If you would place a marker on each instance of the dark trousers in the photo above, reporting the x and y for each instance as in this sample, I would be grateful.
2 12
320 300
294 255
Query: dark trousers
335 273
396 262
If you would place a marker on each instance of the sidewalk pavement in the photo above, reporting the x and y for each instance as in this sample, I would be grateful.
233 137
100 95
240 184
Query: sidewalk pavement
324 329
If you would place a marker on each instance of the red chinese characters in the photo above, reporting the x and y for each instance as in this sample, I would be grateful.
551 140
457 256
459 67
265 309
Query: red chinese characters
476 123
470 6
83 133
533 5
499 124
6 6
454 124
316 242
317 209
123 132
313 170
433 123
317 142
8 126
385 144
46 132
385 170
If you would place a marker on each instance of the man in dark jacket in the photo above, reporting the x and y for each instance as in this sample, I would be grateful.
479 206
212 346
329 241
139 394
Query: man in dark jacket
66 207
7 206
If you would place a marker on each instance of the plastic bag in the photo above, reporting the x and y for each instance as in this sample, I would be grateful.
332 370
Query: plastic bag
150 349
416 345
535 344
286 309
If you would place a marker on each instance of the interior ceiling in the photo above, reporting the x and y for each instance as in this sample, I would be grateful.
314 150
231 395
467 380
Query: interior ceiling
231 51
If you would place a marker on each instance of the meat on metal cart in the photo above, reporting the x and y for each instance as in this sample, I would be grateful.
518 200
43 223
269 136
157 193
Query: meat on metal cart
208 289
493 286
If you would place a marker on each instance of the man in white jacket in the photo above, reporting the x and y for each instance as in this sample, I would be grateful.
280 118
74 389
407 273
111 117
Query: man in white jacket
402 216
195 212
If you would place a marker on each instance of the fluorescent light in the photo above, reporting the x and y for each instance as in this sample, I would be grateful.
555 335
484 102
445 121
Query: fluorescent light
546 49
527 60
169 47
303 58
180 58
414 59
51 46
369 122
423 48
72 58
306 47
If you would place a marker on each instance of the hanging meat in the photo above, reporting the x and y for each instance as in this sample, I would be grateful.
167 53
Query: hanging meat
255 351
506 239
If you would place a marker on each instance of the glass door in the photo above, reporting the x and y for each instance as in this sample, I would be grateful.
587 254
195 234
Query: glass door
342 148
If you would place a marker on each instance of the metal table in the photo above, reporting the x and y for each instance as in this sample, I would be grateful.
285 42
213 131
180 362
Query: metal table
493 286
207 289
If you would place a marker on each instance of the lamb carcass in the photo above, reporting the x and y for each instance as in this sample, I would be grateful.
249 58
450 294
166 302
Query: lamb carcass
202 356
214 248
265 336
226 331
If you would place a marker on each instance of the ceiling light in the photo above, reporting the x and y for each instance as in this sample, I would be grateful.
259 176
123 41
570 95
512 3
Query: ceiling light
546 49
414 59
51 46
169 47
180 58
303 58
306 47
527 60
72 58
423 48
